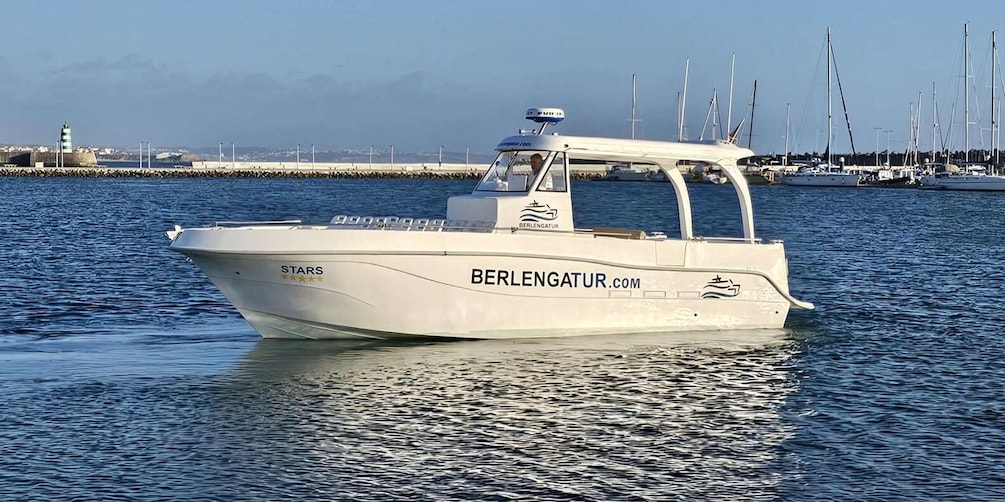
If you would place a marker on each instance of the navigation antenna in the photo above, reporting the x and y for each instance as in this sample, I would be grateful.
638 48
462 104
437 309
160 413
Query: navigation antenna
545 116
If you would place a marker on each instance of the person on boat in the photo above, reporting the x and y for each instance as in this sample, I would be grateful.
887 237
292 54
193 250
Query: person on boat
536 161
551 182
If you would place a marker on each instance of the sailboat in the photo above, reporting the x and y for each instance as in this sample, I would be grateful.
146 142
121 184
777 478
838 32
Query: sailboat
630 171
824 174
973 177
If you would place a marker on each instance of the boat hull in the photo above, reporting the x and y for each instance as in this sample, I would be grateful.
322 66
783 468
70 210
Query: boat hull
374 285
822 180
973 183
904 182
626 176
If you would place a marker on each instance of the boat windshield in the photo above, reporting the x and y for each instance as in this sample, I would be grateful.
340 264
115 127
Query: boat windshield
512 171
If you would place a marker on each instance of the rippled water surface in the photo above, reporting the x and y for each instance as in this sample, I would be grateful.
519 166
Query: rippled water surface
125 375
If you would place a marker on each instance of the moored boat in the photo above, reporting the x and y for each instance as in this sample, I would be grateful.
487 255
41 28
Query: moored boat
506 262
822 175
825 173
622 172
970 177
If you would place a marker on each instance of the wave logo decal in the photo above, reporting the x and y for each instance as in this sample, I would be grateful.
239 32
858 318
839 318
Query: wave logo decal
720 288
536 212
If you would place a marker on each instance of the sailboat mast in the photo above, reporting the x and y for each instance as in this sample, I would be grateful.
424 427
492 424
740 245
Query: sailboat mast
678 116
844 104
917 133
633 106
683 102
966 94
908 152
830 125
708 115
994 122
729 107
714 110
785 158
753 106
935 122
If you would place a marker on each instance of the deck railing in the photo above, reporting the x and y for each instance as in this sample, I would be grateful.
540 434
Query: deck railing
409 224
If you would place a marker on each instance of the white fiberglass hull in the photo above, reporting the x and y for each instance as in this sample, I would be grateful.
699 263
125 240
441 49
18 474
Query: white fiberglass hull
966 182
822 180
324 283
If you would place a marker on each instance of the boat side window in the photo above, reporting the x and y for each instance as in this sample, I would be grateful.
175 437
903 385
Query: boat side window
553 177
511 172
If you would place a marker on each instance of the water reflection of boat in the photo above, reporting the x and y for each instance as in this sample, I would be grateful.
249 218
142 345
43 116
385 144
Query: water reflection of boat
507 262
278 360
496 406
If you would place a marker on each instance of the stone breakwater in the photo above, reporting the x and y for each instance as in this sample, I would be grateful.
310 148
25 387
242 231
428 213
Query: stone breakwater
176 172
26 159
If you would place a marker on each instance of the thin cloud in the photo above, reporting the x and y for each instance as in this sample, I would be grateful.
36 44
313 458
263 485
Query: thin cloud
130 63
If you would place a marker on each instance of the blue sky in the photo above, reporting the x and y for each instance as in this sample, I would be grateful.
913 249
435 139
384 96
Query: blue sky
348 74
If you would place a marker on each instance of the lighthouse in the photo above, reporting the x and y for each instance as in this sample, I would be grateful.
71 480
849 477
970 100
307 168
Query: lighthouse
65 145
64 156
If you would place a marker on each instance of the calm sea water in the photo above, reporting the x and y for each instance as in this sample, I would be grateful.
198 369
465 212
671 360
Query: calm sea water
125 375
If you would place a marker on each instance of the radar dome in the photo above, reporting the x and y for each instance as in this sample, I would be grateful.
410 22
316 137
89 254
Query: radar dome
546 115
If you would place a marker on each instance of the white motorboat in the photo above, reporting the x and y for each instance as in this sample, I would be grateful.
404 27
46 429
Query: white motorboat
973 177
822 175
717 179
507 262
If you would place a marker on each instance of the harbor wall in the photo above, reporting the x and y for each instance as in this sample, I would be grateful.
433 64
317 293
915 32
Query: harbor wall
338 166
175 172
414 168
48 159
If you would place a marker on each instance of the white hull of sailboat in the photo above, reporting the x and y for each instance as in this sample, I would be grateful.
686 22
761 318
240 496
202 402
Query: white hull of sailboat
986 183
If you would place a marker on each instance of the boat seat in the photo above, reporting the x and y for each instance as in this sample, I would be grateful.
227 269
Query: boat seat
339 219
620 233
